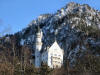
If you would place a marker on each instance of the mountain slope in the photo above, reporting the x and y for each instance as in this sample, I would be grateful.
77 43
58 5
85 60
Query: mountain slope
77 28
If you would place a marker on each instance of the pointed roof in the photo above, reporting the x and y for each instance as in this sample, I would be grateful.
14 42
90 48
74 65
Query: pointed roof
55 45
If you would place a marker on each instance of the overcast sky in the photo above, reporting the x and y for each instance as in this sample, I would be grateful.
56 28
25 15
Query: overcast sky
17 14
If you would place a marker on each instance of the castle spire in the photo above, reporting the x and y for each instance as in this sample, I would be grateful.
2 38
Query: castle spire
38 47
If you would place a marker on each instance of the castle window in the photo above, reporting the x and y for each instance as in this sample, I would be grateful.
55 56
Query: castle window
56 66
58 62
55 54
59 55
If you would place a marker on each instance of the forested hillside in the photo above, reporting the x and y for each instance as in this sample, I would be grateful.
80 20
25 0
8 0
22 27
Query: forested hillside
77 30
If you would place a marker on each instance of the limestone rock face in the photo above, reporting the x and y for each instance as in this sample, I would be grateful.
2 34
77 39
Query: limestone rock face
77 26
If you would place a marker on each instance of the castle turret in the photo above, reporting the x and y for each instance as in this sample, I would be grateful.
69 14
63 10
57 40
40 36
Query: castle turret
38 47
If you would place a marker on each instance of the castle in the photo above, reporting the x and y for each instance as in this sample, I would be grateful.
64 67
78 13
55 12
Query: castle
53 56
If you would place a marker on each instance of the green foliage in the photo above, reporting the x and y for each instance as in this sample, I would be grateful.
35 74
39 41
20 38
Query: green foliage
17 70
30 70
45 70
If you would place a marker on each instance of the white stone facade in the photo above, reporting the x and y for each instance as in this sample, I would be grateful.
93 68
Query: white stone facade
53 56
38 49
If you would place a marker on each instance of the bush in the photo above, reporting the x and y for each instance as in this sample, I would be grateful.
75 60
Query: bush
45 70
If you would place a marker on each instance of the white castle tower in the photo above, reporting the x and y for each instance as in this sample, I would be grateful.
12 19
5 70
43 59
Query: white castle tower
38 48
